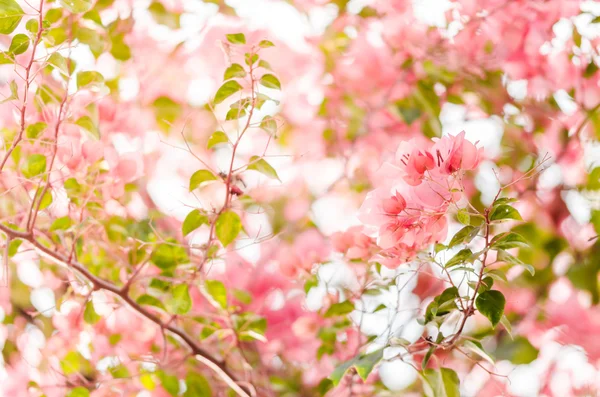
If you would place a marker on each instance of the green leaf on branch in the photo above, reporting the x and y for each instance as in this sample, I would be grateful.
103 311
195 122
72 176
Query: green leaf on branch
462 256
168 255
491 304
508 240
77 6
441 382
339 309
505 212
513 260
59 62
19 44
261 165
269 124
236 38
362 364
89 126
217 291
150 300
34 166
199 177
441 304
35 130
266 44
463 217
89 315
180 303
10 16
226 90
89 79
518 351
79 391
464 236
233 71
193 221
478 349
197 386
227 228
270 81
216 138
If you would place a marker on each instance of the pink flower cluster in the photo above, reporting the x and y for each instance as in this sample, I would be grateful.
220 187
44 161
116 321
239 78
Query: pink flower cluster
409 212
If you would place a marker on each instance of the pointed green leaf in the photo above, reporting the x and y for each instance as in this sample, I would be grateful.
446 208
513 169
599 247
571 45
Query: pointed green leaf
505 212
150 301
266 44
261 165
228 227
441 382
197 386
193 221
77 6
491 304
180 303
10 16
200 177
270 81
34 166
217 291
35 130
19 44
216 138
88 125
226 90
236 38
478 349
89 315
235 70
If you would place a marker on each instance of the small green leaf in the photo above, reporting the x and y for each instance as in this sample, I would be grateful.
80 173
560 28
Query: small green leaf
261 165
10 16
88 125
362 364
339 309
513 260
518 351
79 391
89 79
270 81
168 255
478 349
508 240
119 372
462 256
227 228
94 16
193 221
150 300
77 6
464 236
233 71
46 200
200 177
62 223
59 62
504 212
35 130
463 217
236 38
89 315
181 303
266 44
197 386
19 44
217 138
217 291
226 90
491 304
441 382
269 124
34 166
169 382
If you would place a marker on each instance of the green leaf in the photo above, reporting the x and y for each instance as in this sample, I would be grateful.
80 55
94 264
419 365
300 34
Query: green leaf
513 260
169 382
464 236
77 6
32 26
119 372
193 221
10 16
90 79
19 44
441 304
167 256
199 177
508 240
228 227
270 81
166 111
217 291
197 386
150 300
34 166
478 349
504 212
79 391
35 130
94 16
62 223
119 49
362 364
46 200
236 38
590 70
339 309
506 324
217 138
269 124
226 90
235 70
261 165
250 59
181 303
491 304
518 351
464 255
59 62
162 16
88 125
266 44
89 315
463 217
441 382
